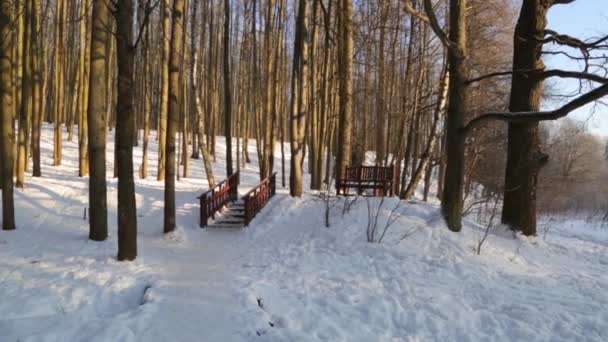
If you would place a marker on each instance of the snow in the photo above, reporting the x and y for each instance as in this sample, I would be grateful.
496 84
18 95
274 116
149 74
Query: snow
287 277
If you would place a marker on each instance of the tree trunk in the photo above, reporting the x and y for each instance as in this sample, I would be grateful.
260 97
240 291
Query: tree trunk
37 57
227 90
299 99
345 74
83 165
381 115
125 130
524 157
59 80
96 119
164 94
26 93
6 119
452 202
175 70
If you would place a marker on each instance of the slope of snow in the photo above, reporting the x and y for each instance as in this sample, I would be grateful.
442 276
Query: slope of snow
287 277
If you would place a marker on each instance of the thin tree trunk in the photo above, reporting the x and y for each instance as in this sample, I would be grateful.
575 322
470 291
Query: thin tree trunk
37 56
59 80
164 94
83 165
26 93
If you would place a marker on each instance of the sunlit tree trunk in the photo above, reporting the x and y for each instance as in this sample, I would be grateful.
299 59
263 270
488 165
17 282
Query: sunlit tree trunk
175 69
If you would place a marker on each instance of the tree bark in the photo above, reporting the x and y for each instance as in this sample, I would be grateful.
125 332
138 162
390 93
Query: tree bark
175 69
6 120
26 93
96 119
299 99
227 90
164 94
452 201
59 109
83 165
524 157
125 130
345 74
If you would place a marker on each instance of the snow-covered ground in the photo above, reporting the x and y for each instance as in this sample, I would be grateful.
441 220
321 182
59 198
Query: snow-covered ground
287 277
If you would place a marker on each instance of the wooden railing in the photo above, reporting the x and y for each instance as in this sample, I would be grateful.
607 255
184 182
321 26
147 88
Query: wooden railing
257 198
214 199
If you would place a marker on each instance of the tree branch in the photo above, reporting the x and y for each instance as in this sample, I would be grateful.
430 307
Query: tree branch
531 117
495 74
409 9
562 2
573 74
431 19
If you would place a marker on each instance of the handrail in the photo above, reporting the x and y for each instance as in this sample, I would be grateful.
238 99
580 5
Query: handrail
212 200
258 197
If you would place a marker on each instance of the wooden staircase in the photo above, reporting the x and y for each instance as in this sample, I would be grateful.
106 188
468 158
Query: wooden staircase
222 205
231 216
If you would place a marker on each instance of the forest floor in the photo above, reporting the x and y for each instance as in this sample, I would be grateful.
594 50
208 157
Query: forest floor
287 277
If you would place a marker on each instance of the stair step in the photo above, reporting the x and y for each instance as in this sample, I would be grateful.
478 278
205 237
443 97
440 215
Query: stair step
223 225
229 220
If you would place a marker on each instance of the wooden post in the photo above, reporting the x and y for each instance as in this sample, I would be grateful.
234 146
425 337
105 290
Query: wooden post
203 209
273 184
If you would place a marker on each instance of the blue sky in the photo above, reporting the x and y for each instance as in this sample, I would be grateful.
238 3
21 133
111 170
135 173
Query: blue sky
583 19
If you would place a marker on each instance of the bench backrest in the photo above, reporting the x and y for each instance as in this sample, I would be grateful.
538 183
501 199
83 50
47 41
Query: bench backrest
370 173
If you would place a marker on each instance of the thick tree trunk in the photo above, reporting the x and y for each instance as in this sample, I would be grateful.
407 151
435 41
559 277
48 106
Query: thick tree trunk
345 75
125 130
175 70
96 119
452 202
299 99
524 157
6 118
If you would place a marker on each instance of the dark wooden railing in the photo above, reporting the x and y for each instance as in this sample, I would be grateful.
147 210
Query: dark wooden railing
214 199
257 198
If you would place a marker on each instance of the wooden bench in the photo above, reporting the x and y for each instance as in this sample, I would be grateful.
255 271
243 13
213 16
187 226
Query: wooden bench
216 198
380 179
258 197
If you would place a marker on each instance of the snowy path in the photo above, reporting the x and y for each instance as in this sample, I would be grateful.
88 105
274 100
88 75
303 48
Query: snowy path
287 277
